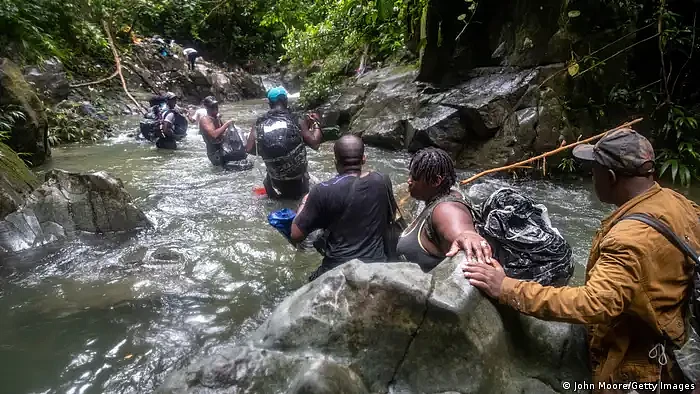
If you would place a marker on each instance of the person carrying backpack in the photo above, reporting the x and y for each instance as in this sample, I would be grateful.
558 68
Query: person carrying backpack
638 283
280 138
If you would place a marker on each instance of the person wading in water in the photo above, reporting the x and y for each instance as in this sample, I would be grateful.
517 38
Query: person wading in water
213 130
281 140
445 217
354 207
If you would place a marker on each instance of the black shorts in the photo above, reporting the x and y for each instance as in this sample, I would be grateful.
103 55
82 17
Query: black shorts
287 190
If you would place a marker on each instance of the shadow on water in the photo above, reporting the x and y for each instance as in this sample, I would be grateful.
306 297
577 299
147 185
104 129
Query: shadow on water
112 315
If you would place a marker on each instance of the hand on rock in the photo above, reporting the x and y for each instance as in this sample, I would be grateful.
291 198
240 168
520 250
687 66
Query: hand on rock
473 245
487 277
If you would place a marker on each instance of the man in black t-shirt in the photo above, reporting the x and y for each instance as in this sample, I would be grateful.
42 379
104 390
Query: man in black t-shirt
354 208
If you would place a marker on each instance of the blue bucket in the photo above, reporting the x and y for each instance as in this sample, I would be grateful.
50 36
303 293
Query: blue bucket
282 221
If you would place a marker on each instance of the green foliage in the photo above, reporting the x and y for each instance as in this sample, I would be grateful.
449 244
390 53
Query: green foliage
657 47
568 165
11 166
67 124
683 156
316 30
320 85
9 115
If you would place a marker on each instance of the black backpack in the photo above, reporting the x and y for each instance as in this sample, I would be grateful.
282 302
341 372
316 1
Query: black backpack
687 356
277 134
232 147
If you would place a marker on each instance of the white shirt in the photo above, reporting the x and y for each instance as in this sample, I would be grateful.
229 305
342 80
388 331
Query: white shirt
199 113
187 51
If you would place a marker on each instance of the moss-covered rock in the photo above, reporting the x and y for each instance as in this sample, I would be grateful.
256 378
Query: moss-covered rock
29 135
16 181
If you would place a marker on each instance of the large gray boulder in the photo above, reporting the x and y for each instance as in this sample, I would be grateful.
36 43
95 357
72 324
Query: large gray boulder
390 104
477 121
68 204
377 328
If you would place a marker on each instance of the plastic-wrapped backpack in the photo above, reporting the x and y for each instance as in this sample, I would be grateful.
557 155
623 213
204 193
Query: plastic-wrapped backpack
523 239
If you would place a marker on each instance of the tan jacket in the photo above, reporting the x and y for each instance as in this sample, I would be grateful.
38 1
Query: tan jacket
636 288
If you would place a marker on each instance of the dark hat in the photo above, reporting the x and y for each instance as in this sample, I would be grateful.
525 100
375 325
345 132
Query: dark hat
170 96
209 101
624 151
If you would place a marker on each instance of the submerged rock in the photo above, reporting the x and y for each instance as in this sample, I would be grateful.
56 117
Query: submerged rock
29 135
392 328
67 204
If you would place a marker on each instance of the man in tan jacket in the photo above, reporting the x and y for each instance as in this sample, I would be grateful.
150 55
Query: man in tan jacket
637 282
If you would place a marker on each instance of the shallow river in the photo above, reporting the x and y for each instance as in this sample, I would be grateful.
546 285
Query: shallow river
104 316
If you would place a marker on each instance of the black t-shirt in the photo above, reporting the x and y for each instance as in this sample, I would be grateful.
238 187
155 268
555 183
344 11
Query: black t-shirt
356 215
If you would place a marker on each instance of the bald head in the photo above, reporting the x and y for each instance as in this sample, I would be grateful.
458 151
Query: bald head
349 153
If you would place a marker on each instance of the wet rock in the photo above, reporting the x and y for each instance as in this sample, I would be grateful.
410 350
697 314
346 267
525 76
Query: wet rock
327 377
68 204
341 108
397 329
170 73
49 80
395 99
135 257
28 135
291 78
16 181
438 126
488 97
166 256
507 146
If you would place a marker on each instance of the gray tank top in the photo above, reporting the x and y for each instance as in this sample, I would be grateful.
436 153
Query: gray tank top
410 246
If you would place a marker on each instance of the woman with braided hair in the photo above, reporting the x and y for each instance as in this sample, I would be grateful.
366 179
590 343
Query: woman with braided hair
446 217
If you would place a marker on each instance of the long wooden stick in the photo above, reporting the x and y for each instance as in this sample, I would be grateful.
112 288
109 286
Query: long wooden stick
95 82
547 154
119 65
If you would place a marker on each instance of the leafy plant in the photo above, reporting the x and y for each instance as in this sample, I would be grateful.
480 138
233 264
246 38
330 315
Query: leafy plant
67 124
9 115
567 164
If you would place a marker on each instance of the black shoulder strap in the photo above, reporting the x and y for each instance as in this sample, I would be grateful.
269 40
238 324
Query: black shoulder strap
666 231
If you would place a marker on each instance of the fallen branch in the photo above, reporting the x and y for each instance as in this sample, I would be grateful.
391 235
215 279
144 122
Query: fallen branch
547 154
95 82
117 61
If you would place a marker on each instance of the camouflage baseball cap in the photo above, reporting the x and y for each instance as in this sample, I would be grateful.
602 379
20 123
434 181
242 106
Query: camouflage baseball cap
624 151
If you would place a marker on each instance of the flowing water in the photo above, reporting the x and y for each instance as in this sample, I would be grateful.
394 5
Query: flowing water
115 315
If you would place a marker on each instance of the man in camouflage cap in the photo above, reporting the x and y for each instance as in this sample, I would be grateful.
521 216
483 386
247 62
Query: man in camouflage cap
632 302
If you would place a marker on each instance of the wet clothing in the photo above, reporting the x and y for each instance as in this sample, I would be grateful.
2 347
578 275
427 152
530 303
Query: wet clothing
217 152
410 246
292 190
355 211
178 123
637 284
278 141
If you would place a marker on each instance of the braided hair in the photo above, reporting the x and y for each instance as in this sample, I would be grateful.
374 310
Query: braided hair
430 164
